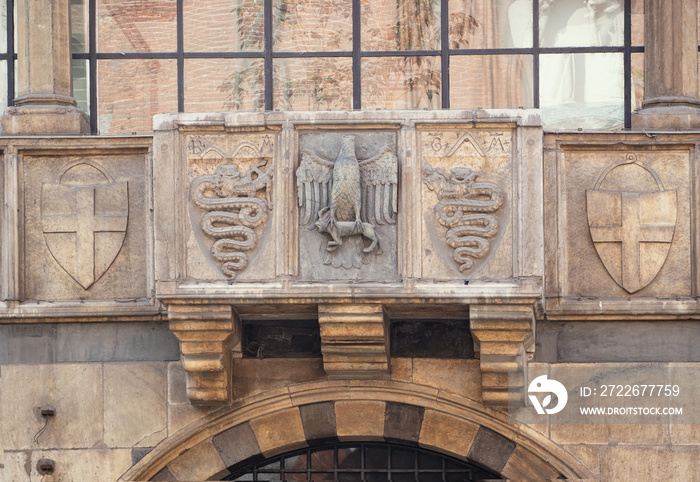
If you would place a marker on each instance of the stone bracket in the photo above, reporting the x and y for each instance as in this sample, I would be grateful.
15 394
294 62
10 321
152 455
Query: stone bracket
504 336
354 340
205 332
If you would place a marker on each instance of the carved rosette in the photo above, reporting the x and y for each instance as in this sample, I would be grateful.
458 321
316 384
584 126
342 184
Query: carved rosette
231 208
468 210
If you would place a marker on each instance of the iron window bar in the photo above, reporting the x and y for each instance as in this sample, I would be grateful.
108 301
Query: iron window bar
366 464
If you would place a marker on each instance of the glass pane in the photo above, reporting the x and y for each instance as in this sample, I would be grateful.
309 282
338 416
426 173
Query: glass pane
130 92
400 25
376 457
349 458
3 85
637 22
429 461
312 25
581 90
573 23
402 458
491 81
295 462
223 26
224 85
313 84
322 460
401 83
349 477
638 80
79 26
272 466
81 84
3 27
136 26
480 24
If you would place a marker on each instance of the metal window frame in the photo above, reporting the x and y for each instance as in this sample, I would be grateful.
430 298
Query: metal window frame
357 54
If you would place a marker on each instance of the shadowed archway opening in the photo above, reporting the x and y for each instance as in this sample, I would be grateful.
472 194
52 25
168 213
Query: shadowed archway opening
360 461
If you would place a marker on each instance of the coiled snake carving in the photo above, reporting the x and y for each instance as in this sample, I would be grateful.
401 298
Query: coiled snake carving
233 211
465 208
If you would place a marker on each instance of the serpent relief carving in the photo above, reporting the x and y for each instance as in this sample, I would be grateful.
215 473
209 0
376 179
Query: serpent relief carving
234 206
467 208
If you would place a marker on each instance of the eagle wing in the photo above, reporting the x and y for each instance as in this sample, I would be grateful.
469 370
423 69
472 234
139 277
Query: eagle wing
314 177
379 176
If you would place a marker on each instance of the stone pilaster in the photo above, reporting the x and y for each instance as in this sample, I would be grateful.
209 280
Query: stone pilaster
503 335
354 340
45 104
670 66
205 332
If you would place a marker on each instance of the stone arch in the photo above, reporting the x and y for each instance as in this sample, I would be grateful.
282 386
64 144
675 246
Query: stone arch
354 410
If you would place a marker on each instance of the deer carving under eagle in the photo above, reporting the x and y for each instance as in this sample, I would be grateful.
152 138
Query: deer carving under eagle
348 198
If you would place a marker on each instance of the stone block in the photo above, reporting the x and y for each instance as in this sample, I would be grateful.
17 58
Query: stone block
650 463
459 376
523 464
319 423
245 162
236 444
31 343
15 466
177 384
485 158
491 449
145 342
446 433
164 475
273 440
359 420
87 342
629 189
354 340
85 226
137 453
75 390
254 376
79 465
344 256
197 463
403 422
632 341
135 404
588 455
402 369
180 416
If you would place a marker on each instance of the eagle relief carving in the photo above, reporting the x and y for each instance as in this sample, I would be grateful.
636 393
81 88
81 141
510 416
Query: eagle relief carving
347 199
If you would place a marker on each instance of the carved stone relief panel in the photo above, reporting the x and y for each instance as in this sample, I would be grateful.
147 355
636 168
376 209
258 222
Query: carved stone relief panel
230 202
85 227
466 178
627 223
347 188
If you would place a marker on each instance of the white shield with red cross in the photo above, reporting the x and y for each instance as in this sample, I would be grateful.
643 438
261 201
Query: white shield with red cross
632 231
84 226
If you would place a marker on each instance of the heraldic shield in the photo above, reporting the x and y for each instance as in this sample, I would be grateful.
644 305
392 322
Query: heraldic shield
85 225
632 231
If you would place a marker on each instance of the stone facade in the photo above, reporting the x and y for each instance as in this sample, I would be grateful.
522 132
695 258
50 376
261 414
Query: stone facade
238 286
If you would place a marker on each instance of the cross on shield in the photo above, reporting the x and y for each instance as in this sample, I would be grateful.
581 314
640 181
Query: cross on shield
632 231
84 226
